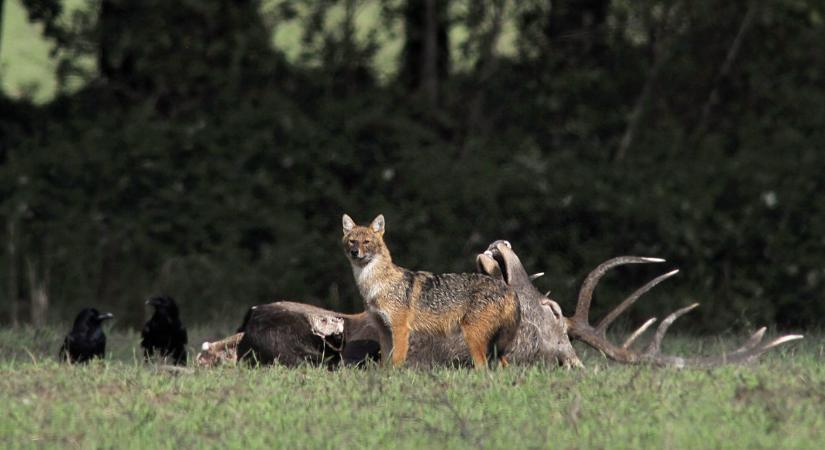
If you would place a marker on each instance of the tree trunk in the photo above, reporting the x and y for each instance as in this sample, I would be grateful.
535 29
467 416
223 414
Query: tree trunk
639 108
13 292
38 292
577 27
430 66
661 49
485 68
724 70
115 52
426 51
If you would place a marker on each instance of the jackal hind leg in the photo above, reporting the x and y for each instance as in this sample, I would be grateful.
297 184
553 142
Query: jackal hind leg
477 341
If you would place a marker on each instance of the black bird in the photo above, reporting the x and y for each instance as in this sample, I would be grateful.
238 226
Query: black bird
164 332
86 340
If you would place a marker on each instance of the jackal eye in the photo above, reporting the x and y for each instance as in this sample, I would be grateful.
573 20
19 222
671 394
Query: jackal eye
367 241
352 242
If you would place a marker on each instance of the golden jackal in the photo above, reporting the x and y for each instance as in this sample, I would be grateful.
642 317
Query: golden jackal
485 309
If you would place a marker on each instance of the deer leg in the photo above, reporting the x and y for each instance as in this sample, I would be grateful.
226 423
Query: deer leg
385 343
384 338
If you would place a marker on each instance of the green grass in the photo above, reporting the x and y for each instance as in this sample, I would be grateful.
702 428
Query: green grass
776 403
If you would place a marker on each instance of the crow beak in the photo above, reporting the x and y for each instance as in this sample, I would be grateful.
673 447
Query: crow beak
105 316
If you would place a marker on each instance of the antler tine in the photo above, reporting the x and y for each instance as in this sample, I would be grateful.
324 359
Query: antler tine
753 341
601 328
656 343
756 351
744 354
635 335
589 285
781 340
747 352
756 338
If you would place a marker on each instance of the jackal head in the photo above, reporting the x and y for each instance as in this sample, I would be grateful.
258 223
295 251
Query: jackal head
362 244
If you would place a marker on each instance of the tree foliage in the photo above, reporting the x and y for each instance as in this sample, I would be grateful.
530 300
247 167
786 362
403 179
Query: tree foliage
198 161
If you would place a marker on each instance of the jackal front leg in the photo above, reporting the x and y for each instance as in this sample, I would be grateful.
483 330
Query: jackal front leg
400 339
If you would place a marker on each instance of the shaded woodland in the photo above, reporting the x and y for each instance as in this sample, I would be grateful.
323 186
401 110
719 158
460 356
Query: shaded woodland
199 160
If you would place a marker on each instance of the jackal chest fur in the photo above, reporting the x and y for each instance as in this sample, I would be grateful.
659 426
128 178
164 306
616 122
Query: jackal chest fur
378 286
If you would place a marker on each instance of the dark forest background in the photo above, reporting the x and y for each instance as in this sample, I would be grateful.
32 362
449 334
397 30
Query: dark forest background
199 161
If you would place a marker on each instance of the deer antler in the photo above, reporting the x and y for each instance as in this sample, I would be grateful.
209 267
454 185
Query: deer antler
579 326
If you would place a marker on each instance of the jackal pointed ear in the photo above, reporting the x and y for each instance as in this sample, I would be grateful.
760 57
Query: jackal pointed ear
377 224
348 223
489 266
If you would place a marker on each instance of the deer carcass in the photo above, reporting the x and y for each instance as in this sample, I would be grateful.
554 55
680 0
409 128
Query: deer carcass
293 333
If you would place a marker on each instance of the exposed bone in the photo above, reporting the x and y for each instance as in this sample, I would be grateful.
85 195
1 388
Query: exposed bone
325 325
220 352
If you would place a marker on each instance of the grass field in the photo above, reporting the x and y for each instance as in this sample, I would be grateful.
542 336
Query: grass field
122 403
